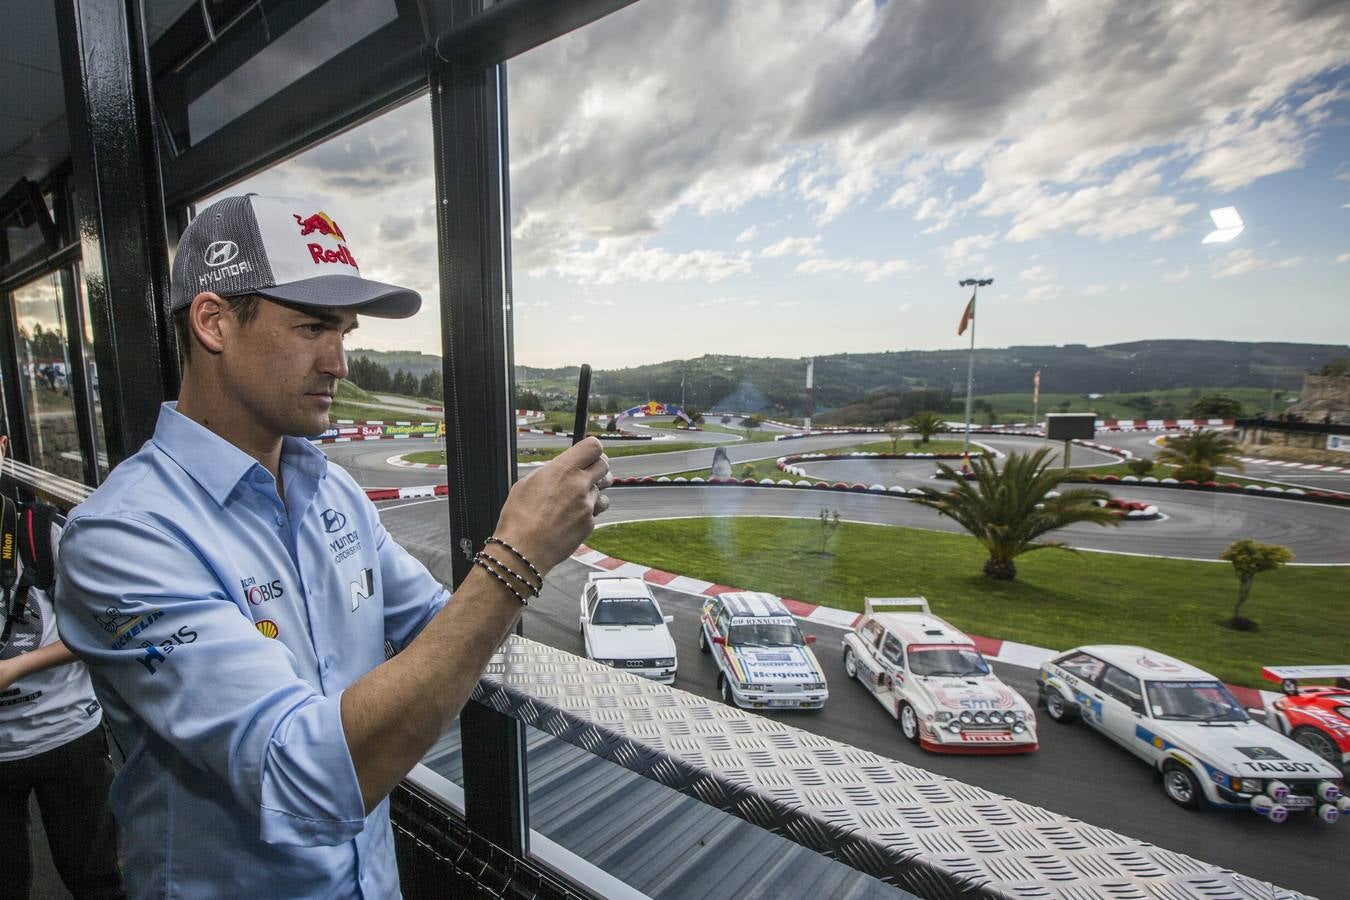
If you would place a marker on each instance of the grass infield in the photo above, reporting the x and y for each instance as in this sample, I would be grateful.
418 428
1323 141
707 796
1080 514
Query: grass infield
1058 600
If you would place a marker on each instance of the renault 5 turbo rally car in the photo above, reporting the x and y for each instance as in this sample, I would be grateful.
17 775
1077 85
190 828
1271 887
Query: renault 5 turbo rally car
762 658
930 677
623 627
1185 723
1316 716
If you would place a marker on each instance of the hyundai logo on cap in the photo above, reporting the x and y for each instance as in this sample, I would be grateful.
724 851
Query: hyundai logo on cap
220 252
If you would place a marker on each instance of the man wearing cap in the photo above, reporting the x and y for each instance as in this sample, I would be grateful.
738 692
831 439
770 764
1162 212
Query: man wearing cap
232 592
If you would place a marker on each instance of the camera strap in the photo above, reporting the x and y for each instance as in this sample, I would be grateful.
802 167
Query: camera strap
13 586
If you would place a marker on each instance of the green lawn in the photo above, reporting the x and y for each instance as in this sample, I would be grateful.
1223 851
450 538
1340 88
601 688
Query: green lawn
1059 600
752 435
434 457
768 468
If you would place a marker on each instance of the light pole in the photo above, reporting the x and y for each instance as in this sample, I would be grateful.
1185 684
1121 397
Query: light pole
969 317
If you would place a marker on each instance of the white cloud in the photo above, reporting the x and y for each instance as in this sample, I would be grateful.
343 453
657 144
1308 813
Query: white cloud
1344 257
748 234
1178 276
793 246
1244 261
1044 292
870 269
1094 290
967 251
576 317
1036 273
630 261
904 307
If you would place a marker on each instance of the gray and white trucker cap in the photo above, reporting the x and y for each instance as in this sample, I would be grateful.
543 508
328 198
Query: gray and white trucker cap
283 248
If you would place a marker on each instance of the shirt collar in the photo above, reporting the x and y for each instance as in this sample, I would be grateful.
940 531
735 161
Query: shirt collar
216 464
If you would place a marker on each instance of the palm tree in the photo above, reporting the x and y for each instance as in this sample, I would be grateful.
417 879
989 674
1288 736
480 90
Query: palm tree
1008 510
926 424
1197 455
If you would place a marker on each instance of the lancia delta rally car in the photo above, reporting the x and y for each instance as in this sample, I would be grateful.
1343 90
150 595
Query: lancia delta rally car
930 677
1316 716
1184 722
623 627
762 658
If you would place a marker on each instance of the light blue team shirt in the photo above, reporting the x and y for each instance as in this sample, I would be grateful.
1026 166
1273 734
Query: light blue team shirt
221 627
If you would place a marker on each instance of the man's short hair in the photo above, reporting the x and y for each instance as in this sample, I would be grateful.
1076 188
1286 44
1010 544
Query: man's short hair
244 308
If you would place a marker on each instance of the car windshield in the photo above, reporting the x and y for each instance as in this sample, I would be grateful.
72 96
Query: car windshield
626 611
765 634
1194 701
956 661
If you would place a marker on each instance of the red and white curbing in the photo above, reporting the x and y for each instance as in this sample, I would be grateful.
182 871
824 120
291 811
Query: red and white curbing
408 493
1027 656
1311 467
404 464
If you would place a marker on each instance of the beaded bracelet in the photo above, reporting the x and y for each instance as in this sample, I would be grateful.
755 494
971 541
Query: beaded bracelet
521 556
504 569
479 561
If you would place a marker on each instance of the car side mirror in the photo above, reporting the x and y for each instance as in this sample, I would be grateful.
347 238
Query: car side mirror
810 638
669 620
583 620
719 640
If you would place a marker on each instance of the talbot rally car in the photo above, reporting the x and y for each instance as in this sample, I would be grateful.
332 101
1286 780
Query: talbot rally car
930 677
1316 716
624 628
762 658
1184 722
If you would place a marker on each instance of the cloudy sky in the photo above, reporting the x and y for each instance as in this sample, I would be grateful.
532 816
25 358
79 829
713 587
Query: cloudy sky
795 177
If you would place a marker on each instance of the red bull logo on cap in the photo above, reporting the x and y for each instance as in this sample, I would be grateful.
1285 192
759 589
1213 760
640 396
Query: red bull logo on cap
319 222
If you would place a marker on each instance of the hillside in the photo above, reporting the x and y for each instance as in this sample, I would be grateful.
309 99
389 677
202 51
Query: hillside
775 385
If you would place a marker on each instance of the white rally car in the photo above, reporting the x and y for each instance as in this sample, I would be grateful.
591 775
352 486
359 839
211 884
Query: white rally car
1185 723
930 677
623 627
762 658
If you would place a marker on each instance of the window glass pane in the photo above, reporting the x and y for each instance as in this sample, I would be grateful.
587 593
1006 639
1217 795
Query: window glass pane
320 36
44 367
91 374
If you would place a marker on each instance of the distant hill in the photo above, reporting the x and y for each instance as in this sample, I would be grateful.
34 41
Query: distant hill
776 385
411 361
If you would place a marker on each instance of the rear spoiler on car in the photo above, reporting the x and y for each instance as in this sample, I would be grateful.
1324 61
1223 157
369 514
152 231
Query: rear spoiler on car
877 604
609 576
1290 676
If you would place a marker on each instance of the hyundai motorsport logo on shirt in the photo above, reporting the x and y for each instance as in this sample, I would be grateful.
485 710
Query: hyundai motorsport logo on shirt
347 543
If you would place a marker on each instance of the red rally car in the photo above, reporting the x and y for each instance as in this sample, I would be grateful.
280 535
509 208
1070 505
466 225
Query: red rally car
1316 716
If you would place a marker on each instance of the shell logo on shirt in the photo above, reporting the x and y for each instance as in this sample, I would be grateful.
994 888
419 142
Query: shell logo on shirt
267 628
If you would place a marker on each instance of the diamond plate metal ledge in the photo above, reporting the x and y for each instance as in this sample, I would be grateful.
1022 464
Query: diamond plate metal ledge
925 833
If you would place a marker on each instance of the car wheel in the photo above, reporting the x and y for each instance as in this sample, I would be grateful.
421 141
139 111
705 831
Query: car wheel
702 640
1180 786
1057 708
1317 740
909 723
850 663
724 689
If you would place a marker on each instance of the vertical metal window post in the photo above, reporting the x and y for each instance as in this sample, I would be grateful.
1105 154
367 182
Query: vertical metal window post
120 213
468 116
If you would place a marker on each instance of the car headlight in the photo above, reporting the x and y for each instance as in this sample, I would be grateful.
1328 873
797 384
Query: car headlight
814 686
981 718
1019 727
954 726
965 717
1009 717
1246 785
944 716
665 663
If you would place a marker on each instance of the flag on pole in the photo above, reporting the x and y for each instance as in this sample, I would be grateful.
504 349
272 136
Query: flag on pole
967 317
1036 385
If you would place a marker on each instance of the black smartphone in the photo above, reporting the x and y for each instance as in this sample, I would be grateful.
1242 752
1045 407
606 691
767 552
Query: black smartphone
583 393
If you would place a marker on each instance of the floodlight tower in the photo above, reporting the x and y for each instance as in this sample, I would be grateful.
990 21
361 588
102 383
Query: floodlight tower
969 318
809 406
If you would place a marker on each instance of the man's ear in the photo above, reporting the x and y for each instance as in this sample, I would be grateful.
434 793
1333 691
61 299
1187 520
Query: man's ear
206 320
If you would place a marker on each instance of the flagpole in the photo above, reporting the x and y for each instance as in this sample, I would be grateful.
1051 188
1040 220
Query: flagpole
970 380
976 284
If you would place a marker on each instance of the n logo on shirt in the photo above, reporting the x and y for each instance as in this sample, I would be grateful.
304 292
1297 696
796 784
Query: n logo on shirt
362 587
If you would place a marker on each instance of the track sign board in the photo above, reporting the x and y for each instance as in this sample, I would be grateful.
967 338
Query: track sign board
1070 426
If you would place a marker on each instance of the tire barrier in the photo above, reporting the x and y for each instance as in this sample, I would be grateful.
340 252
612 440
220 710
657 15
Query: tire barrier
1223 487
